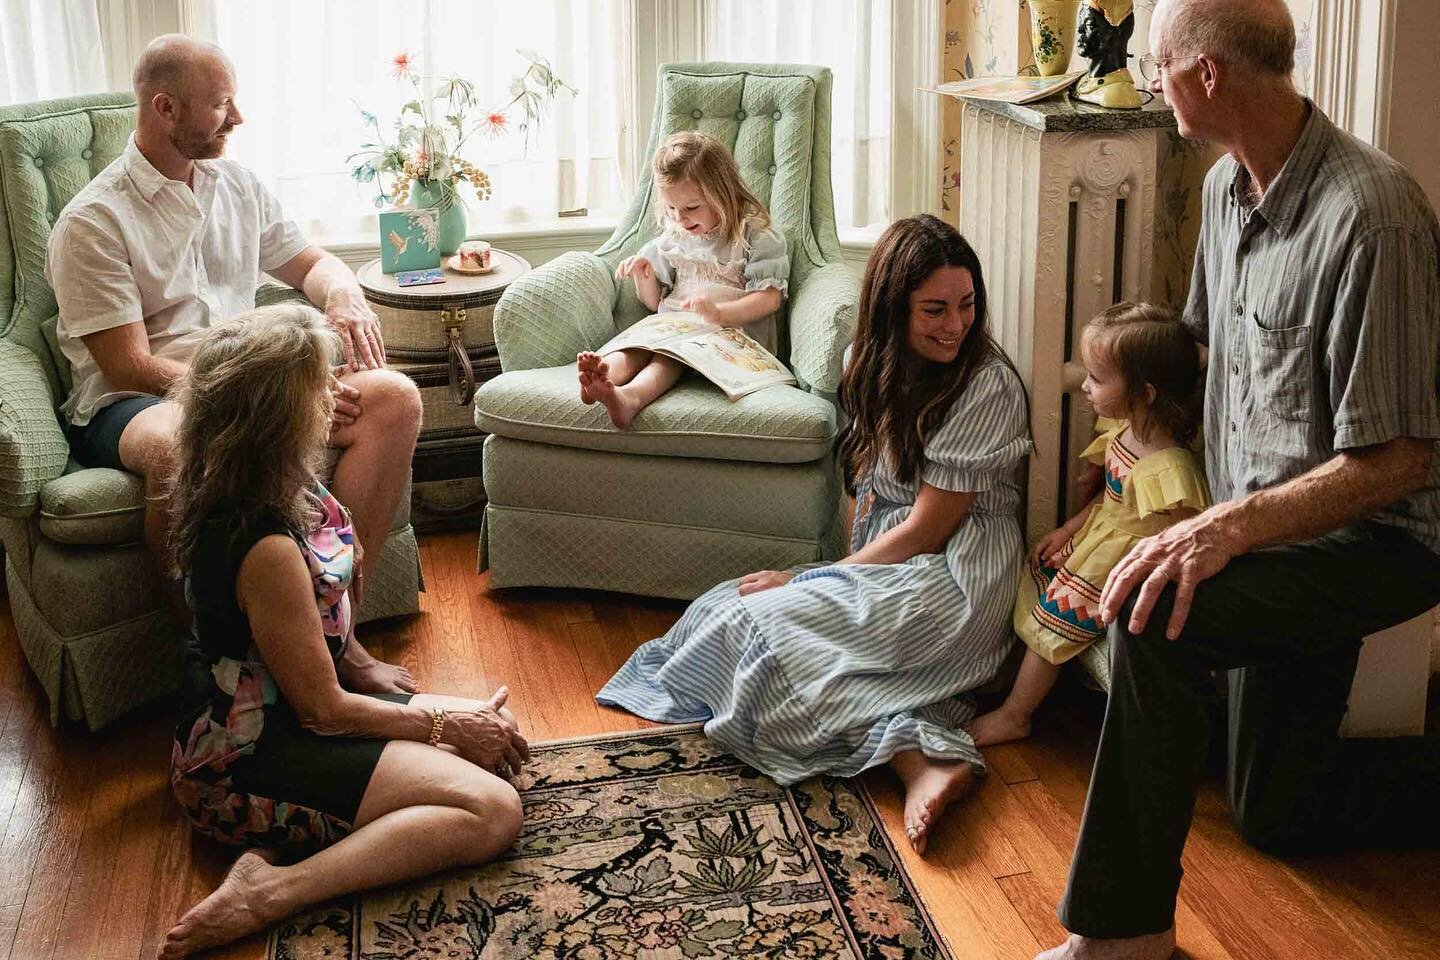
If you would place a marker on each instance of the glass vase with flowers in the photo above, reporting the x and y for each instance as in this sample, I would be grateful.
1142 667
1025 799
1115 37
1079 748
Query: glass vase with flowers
424 163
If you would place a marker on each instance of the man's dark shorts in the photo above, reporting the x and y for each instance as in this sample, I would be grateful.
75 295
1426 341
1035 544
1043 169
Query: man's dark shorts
97 443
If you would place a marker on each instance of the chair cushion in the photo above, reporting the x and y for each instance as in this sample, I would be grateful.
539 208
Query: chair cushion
694 419
100 506
96 506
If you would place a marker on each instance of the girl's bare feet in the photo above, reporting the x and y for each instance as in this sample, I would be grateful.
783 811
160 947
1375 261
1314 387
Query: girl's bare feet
998 726
588 364
239 906
931 786
618 404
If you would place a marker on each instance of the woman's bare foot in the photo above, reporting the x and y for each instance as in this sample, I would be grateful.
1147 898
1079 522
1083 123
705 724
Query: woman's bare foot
589 364
238 906
617 403
931 786
998 726
376 677
360 672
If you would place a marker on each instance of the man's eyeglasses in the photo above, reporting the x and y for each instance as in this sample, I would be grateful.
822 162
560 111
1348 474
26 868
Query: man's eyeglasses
1151 66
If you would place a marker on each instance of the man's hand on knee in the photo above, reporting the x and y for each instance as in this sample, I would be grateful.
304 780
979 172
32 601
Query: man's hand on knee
359 329
1191 551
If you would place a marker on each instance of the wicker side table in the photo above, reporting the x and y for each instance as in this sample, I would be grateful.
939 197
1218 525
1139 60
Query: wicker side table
440 336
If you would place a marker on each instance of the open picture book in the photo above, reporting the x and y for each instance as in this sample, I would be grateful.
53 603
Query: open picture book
727 356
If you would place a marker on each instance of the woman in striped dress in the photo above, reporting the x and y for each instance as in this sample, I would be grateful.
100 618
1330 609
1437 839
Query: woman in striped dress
837 668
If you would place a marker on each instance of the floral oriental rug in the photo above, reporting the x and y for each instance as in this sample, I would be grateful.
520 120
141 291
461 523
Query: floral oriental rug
653 845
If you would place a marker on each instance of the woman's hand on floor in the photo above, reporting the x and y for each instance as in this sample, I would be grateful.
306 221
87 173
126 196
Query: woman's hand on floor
763 580
486 738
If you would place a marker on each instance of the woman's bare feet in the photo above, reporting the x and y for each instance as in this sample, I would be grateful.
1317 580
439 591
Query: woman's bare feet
377 677
239 906
360 672
998 726
931 786
588 365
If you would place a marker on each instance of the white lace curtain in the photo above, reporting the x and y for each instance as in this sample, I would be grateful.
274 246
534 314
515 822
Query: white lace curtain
852 37
49 48
306 71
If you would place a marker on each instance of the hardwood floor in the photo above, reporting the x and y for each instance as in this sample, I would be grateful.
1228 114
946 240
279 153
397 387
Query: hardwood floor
96 860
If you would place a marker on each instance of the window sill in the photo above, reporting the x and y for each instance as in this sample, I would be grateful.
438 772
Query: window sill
544 240
537 242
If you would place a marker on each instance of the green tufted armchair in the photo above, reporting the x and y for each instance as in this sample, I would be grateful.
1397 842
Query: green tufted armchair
89 604
700 489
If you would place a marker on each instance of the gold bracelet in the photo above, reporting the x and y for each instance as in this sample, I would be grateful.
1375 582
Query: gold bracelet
437 726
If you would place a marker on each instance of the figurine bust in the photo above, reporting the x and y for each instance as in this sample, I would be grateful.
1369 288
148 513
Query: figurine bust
1103 37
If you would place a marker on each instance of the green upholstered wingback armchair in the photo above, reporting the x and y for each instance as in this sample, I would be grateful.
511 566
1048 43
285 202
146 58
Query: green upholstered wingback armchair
700 489
89 603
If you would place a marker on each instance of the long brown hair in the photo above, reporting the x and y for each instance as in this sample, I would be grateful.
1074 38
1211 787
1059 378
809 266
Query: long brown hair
893 409
1149 347
255 406
704 161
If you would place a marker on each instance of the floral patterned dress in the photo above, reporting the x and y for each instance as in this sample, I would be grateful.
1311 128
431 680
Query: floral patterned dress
244 769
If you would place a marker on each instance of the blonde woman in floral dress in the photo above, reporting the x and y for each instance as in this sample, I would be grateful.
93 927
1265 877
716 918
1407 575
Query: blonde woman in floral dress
274 751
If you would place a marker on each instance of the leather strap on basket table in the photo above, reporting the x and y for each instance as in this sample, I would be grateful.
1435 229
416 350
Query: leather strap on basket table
462 372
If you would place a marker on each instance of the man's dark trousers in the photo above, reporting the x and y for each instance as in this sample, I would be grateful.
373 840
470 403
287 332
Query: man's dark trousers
1287 623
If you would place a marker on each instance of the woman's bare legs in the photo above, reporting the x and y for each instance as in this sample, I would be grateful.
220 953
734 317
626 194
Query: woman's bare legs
425 810
626 399
931 786
1011 720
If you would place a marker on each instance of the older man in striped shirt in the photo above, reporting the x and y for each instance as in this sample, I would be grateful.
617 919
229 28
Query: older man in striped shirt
1317 291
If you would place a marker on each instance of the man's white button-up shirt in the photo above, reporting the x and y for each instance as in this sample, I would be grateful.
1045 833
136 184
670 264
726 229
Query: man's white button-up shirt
134 246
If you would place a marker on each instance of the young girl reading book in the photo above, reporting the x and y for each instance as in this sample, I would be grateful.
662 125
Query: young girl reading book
717 256
1144 374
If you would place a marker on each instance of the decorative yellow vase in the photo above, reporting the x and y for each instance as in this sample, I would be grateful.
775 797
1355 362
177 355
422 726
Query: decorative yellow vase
1052 34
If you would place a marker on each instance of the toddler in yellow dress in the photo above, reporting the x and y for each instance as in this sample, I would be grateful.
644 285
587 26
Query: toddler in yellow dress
1143 379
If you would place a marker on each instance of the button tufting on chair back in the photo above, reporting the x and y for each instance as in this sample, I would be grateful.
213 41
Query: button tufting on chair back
48 152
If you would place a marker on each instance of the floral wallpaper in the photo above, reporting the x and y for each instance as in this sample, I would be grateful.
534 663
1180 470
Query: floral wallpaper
991 37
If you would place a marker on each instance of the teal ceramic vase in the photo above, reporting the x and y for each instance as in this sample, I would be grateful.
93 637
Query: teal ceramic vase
428 193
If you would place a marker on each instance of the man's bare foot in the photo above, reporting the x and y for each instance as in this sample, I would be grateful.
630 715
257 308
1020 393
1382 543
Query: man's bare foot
1151 946
237 907
589 364
376 677
621 408
998 726
931 786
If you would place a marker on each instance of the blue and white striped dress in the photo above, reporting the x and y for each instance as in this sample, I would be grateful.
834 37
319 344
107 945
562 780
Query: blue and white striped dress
848 664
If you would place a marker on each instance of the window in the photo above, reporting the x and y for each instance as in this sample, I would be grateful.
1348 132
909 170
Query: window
49 48
307 70
852 37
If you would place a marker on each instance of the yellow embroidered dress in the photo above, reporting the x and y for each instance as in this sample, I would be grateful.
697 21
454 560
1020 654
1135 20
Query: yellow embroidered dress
1057 610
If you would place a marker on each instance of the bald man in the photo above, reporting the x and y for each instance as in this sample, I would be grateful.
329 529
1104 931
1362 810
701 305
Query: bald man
1317 291
170 239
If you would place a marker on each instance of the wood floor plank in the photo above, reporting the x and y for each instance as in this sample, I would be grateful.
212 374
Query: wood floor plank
987 837
81 786
545 659
967 903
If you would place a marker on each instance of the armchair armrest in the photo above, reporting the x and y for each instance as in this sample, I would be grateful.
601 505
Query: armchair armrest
33 448
823 312
268 294
557 310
